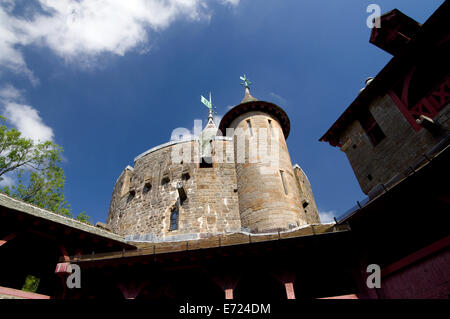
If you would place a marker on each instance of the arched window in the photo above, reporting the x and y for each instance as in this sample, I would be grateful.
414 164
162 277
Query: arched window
174 219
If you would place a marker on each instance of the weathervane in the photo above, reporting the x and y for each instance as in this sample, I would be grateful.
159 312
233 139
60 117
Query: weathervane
246 82
208 104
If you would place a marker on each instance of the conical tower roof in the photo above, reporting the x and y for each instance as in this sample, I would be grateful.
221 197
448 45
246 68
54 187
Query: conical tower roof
250 104
248 97
208 134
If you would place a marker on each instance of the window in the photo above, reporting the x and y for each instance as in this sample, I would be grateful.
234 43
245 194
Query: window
249 125
206 162
305 203
270 127
283 182
174 219
165 180
147 187
185 176
371 127
131 195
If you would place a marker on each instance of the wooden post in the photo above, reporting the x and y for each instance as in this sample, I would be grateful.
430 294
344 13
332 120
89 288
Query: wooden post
290 293
131 291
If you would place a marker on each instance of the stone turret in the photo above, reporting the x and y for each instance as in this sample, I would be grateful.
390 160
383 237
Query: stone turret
269 198
226 183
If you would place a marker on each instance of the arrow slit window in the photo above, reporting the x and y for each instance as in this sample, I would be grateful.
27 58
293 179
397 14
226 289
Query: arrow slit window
174 219
249 125
283 182
270 127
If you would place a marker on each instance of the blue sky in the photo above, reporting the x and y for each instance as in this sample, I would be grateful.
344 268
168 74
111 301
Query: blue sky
108 80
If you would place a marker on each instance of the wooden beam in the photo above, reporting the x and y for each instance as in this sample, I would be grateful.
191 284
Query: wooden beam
7 238
21 294
290 293
416 256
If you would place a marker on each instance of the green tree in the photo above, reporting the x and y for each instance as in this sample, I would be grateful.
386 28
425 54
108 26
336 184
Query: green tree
40 179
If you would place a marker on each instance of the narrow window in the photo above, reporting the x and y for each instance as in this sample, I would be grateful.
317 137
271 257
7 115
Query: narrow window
270 127
165 180
147 187
185 176
371 127
305 203
174 219
206 162
131 195
249 127
283 182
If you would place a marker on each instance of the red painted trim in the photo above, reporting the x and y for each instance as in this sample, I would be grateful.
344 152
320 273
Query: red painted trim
445 39
21 293
7 238
64 253
420 254
351 296
406 83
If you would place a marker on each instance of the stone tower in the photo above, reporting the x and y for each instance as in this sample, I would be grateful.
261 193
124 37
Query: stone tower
242 182
269 195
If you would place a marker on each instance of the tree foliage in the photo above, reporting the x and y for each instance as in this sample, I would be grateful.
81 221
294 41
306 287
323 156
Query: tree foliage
35 166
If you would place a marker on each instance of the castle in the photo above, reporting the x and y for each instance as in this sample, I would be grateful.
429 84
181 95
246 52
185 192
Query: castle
219 216
217 184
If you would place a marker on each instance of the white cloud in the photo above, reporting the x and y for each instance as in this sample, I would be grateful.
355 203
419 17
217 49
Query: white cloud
9 93
10 55
24 117
217 119
80 30
180 134
280 99
232 2
327 217
28 122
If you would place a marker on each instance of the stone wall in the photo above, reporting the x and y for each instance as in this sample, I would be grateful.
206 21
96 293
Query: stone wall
242 190
264 204
401 147
211 205
306 196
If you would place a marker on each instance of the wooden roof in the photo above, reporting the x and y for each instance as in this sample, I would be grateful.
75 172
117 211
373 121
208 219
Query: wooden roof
225 240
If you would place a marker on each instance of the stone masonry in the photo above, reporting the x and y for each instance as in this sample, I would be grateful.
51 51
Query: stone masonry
226 196
399 150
